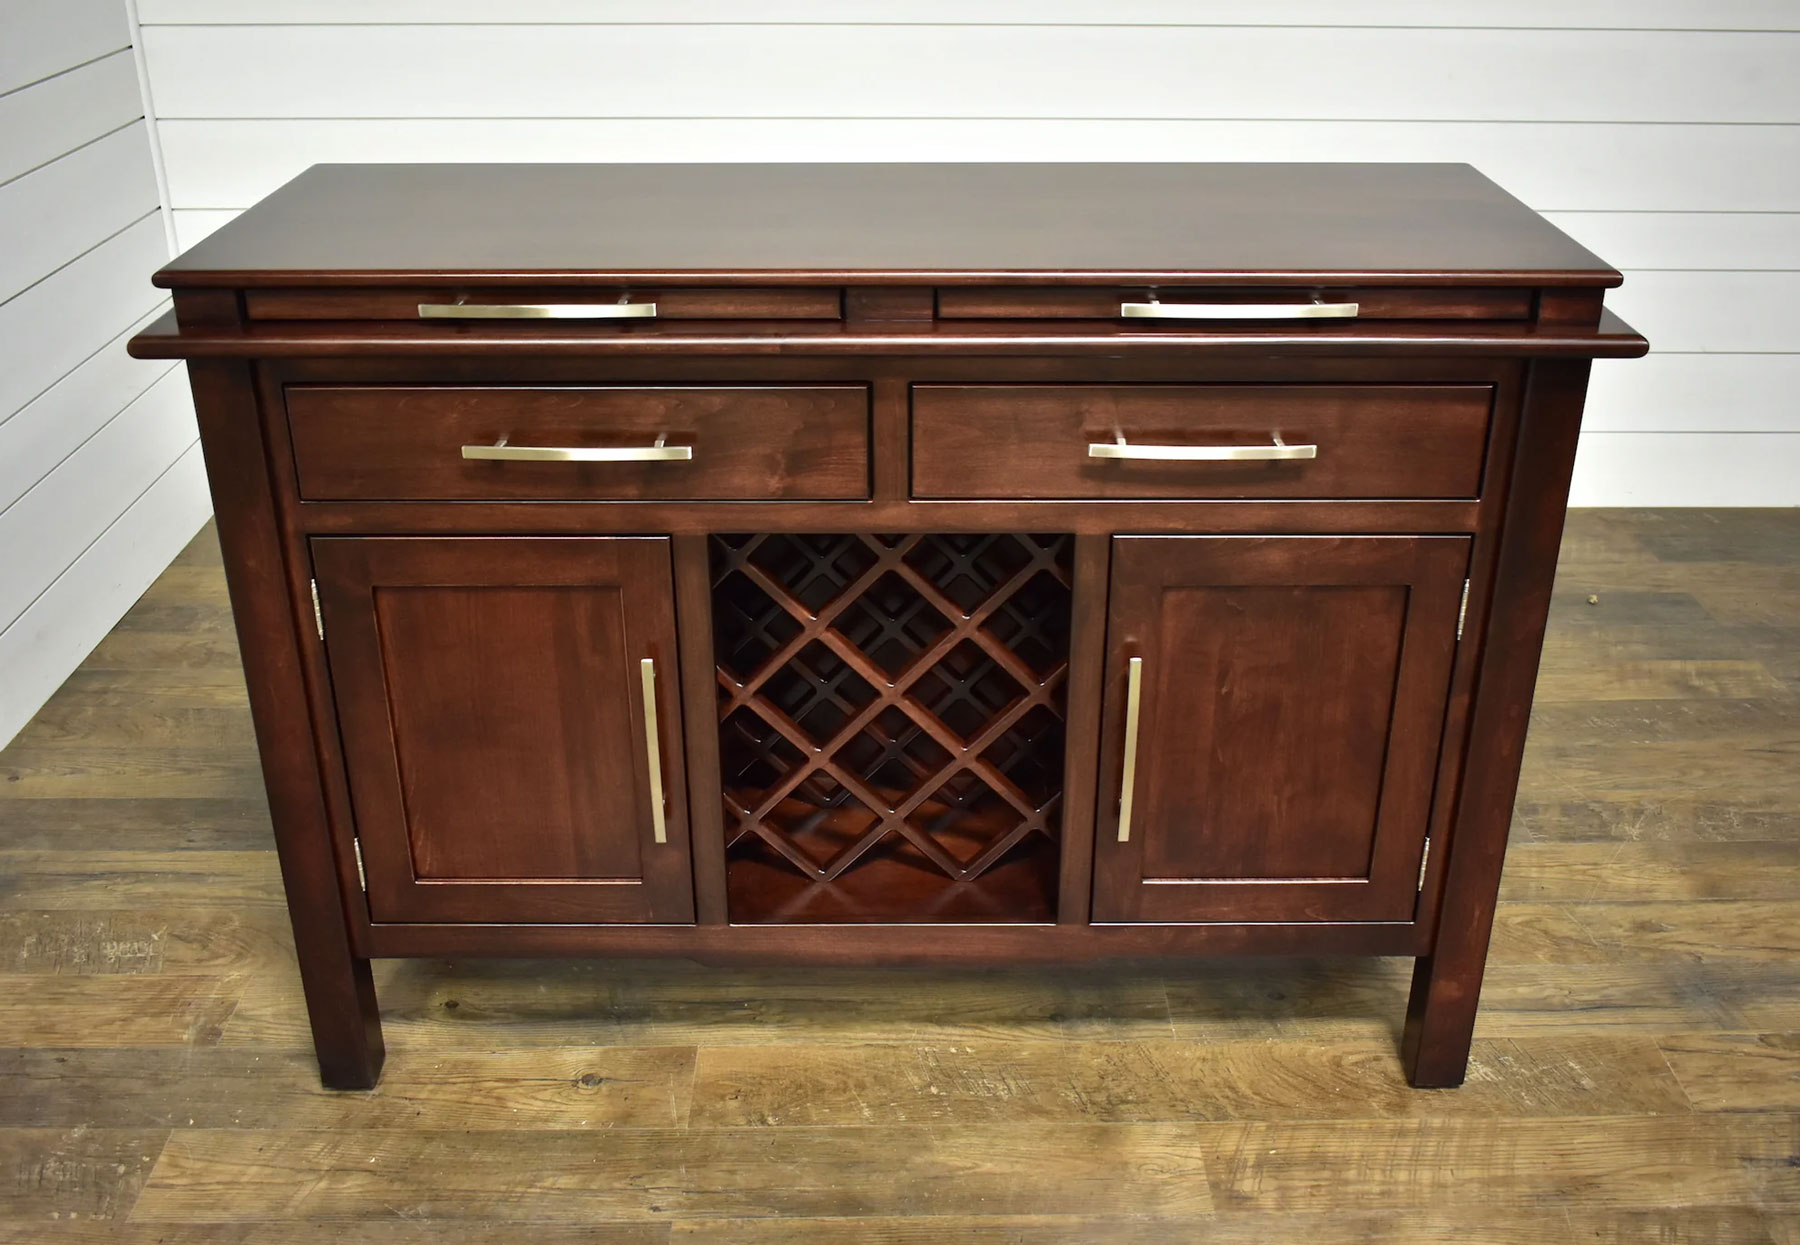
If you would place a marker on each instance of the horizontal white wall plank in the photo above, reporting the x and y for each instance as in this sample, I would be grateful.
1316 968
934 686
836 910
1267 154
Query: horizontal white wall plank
1618 14
58 211
1640 241
74 614
1686 469
972 71
190 227
1695 393
90 512
64 318
42 122
233 163
43 532
44 37
1690 240
1712 311
50 427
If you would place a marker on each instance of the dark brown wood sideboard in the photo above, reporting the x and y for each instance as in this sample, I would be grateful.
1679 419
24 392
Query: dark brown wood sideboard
890 563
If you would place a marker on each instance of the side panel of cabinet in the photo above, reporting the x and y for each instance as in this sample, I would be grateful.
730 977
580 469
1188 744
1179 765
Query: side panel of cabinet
1289 714
490 694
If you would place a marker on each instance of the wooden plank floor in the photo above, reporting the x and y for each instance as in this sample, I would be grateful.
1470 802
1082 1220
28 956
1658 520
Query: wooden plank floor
1636 1074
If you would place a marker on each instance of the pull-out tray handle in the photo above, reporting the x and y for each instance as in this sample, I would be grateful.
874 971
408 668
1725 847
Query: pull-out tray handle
536 311
1237 311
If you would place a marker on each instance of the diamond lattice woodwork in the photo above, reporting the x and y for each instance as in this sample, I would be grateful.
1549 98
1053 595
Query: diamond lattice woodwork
891 723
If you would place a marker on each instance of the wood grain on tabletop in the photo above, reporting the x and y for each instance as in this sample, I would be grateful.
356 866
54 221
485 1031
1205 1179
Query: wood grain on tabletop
528 224
1636 1072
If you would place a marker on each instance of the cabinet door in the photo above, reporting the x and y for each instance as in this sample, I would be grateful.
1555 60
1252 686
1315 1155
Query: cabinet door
1289 707
491 695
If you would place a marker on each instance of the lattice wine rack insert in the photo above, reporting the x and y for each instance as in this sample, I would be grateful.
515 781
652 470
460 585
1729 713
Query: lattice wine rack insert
891 724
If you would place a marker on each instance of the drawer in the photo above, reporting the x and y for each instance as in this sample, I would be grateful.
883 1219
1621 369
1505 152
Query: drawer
1202 441
615 307
689 443
1142 307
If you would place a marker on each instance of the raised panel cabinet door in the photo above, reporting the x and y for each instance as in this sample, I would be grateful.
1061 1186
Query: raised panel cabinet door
1289 707
491 696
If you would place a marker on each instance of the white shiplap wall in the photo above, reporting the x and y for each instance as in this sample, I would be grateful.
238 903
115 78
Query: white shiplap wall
100 479
1665 134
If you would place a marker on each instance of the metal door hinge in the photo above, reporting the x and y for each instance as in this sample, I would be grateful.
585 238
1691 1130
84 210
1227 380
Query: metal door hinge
319 614
1462 611
1424 864
362 878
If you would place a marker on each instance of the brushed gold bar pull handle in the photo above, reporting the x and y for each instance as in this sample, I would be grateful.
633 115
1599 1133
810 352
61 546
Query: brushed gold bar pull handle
1276 451
500 451
659 817
1238 311
537 311
1134 683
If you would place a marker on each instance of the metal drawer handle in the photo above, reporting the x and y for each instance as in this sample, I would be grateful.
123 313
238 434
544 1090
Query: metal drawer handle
653 751
1237 311
1277 450
1134 681
536 311
500 451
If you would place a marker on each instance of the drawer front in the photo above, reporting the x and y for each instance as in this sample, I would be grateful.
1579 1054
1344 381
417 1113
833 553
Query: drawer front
437 443
1199 441
818 303
1144 308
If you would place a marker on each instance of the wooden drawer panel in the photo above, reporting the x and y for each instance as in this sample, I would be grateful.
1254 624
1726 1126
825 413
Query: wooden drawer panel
816 303
379 442
1105 303
1034 441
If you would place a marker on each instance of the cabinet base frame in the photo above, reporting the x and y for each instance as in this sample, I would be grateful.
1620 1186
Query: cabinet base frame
893 945
261 532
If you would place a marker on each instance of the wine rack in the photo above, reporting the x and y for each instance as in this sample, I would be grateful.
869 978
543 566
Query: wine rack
891 724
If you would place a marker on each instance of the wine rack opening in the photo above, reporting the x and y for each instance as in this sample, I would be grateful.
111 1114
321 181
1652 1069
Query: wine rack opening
891 724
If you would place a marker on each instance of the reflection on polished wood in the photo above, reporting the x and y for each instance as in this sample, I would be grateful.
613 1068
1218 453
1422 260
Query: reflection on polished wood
1634 1073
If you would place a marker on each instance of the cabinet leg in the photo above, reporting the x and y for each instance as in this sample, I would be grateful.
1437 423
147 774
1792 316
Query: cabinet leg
1446 987
340 993
346 1022
1440 1022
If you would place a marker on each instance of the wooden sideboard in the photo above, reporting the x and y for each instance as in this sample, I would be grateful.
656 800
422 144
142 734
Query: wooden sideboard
890 563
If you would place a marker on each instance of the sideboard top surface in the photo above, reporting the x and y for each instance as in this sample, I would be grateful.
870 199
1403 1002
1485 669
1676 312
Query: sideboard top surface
346 224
